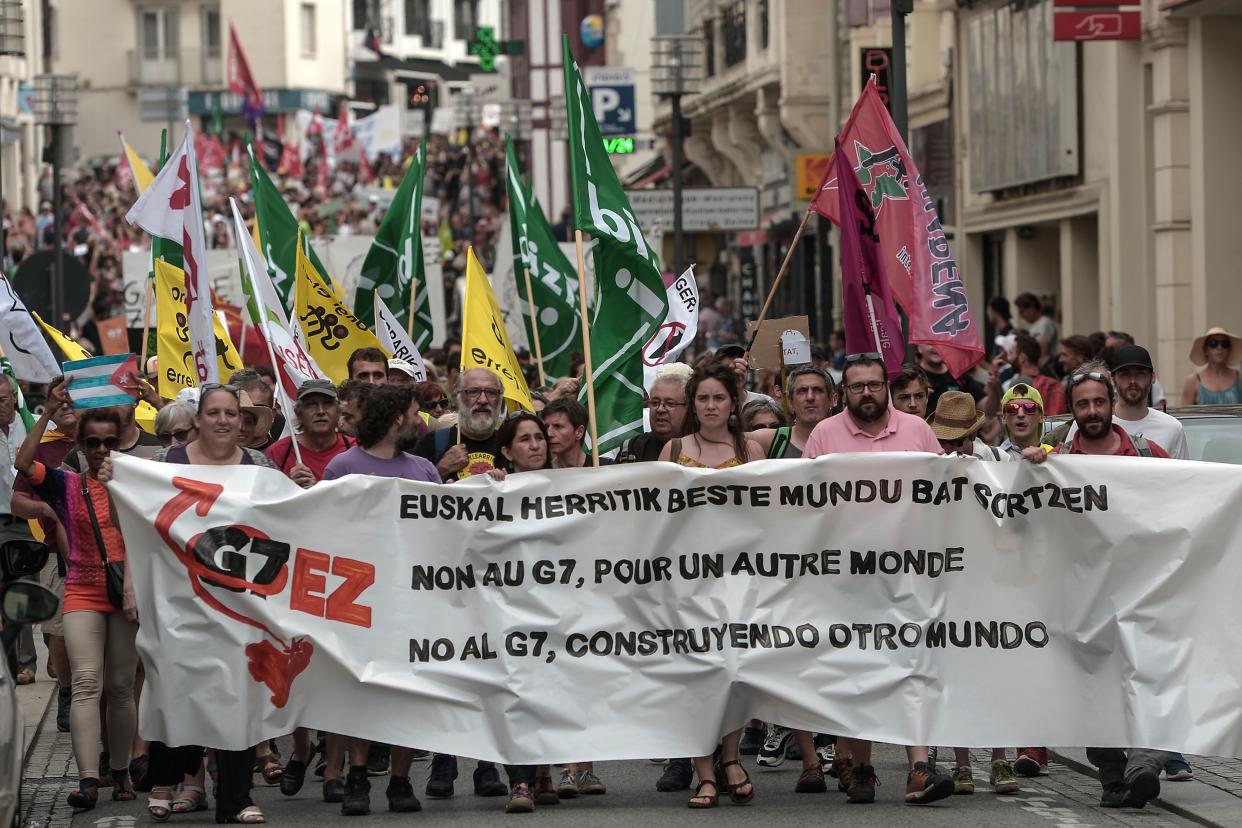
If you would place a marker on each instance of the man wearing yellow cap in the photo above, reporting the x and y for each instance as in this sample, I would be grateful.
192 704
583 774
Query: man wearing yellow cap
1022 409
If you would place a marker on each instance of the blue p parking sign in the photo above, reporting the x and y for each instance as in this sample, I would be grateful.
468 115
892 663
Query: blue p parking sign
612 98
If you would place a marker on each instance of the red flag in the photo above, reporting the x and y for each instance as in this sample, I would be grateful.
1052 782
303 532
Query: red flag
124 177
871 320
915 252
241 80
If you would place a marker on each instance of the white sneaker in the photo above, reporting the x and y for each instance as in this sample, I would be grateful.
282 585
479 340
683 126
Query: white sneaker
775 741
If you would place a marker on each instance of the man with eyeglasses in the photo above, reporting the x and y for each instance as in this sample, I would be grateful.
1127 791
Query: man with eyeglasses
469 447
869 423
1022 411
666 413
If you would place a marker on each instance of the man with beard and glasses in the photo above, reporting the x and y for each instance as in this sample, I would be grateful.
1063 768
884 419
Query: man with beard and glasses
317 412
469 447
1133 374
666 407
869 423
1130 777
389 415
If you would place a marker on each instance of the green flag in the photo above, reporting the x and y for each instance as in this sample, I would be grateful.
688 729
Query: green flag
630 299
396 257
278 231
553 280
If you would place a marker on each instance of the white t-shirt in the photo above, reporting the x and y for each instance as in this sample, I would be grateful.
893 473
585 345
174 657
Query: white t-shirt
1162 429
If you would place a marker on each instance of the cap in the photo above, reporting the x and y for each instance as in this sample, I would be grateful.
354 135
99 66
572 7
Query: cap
316 386
733 350
402 366
1022 391
1130 356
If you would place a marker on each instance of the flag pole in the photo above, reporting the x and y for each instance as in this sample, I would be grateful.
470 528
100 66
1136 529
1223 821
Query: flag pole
776 283
409 322
588 371
146 320
534 326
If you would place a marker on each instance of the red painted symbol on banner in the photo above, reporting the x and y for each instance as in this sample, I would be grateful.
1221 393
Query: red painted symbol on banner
667 338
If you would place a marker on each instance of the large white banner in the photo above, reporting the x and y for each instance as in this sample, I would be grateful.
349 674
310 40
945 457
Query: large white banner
643 610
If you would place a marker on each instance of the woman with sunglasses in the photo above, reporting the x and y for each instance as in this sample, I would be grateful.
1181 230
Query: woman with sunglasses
99 636
218 423
1217 383
713 438
432 399
174 424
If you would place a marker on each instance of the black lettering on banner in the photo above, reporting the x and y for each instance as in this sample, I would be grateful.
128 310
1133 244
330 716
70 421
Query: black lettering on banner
442 577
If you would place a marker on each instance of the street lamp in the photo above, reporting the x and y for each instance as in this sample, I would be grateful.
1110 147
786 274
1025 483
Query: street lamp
676 70
56 106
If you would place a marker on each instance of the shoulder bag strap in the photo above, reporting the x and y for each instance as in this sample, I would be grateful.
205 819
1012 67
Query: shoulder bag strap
90 509
674 452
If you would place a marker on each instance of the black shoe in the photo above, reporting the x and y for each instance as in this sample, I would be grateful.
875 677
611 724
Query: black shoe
926 784
862 783
401 796
752 742
63 700
443 772
1144 787
487 781
676 777
294 776
377 759
357 801
333 790
1114 796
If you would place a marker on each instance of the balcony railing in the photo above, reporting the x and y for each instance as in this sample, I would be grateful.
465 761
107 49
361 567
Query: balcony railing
184 67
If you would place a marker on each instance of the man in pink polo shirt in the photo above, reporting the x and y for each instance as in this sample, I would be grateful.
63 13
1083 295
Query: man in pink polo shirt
869 423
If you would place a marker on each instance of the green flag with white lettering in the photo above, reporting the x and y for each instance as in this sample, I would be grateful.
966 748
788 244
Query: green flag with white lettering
278 232
630 299
552 309
396 257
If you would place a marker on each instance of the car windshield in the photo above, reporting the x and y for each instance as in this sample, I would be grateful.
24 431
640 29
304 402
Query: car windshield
1218 439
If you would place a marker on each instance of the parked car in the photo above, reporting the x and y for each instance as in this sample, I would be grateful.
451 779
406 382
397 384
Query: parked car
21 602
1213 432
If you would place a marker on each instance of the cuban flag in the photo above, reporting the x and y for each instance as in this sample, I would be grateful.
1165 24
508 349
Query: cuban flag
102 381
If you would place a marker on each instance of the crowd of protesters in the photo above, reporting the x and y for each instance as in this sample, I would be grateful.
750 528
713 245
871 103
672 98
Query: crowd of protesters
464 183
382 422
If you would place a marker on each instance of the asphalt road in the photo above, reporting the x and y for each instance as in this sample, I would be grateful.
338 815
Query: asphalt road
1061 798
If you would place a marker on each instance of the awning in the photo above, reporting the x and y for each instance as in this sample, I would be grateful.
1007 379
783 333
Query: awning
431 68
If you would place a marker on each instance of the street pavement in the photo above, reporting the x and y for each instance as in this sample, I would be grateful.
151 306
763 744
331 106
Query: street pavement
1064 797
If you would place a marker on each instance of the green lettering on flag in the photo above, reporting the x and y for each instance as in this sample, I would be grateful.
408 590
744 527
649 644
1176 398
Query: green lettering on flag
553 280
630 299
396 257
278 231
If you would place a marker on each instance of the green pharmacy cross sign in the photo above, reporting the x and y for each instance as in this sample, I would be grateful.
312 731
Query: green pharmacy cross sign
486 47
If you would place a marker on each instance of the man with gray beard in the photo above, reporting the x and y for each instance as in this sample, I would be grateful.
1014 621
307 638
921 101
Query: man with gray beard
469 447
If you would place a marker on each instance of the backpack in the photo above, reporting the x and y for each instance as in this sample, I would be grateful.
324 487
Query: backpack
780 442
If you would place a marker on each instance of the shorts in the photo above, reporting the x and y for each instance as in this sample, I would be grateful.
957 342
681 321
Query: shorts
51 578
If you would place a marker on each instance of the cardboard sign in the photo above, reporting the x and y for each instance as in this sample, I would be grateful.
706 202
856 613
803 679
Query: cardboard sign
795 348
766 351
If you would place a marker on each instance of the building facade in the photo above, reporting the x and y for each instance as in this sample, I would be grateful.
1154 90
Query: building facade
21 140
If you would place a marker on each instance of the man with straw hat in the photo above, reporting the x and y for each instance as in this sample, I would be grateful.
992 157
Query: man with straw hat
955 423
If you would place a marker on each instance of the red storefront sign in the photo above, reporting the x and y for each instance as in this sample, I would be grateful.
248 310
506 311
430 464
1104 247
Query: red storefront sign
1097 25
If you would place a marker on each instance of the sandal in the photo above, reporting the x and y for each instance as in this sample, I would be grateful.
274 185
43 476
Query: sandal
270 767
159 806
731 789
702 801
250 815
192 798
85 797
122 787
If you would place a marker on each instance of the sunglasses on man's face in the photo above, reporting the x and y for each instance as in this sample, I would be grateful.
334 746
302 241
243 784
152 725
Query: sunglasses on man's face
1027 407
110 443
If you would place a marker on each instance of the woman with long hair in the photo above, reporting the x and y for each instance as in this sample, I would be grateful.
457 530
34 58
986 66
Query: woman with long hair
713 438
99 635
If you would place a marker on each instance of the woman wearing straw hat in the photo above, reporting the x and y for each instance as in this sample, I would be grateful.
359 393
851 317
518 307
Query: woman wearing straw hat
1217 383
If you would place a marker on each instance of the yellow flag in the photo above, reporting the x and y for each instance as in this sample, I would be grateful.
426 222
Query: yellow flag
331 330
145 413
173 341
142 173
484 339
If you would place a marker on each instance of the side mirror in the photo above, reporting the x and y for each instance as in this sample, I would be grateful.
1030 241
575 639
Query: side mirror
25 602
22 556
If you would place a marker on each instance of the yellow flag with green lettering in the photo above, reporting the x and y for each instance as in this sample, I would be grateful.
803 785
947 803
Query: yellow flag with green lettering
331 330
485 340
173 340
